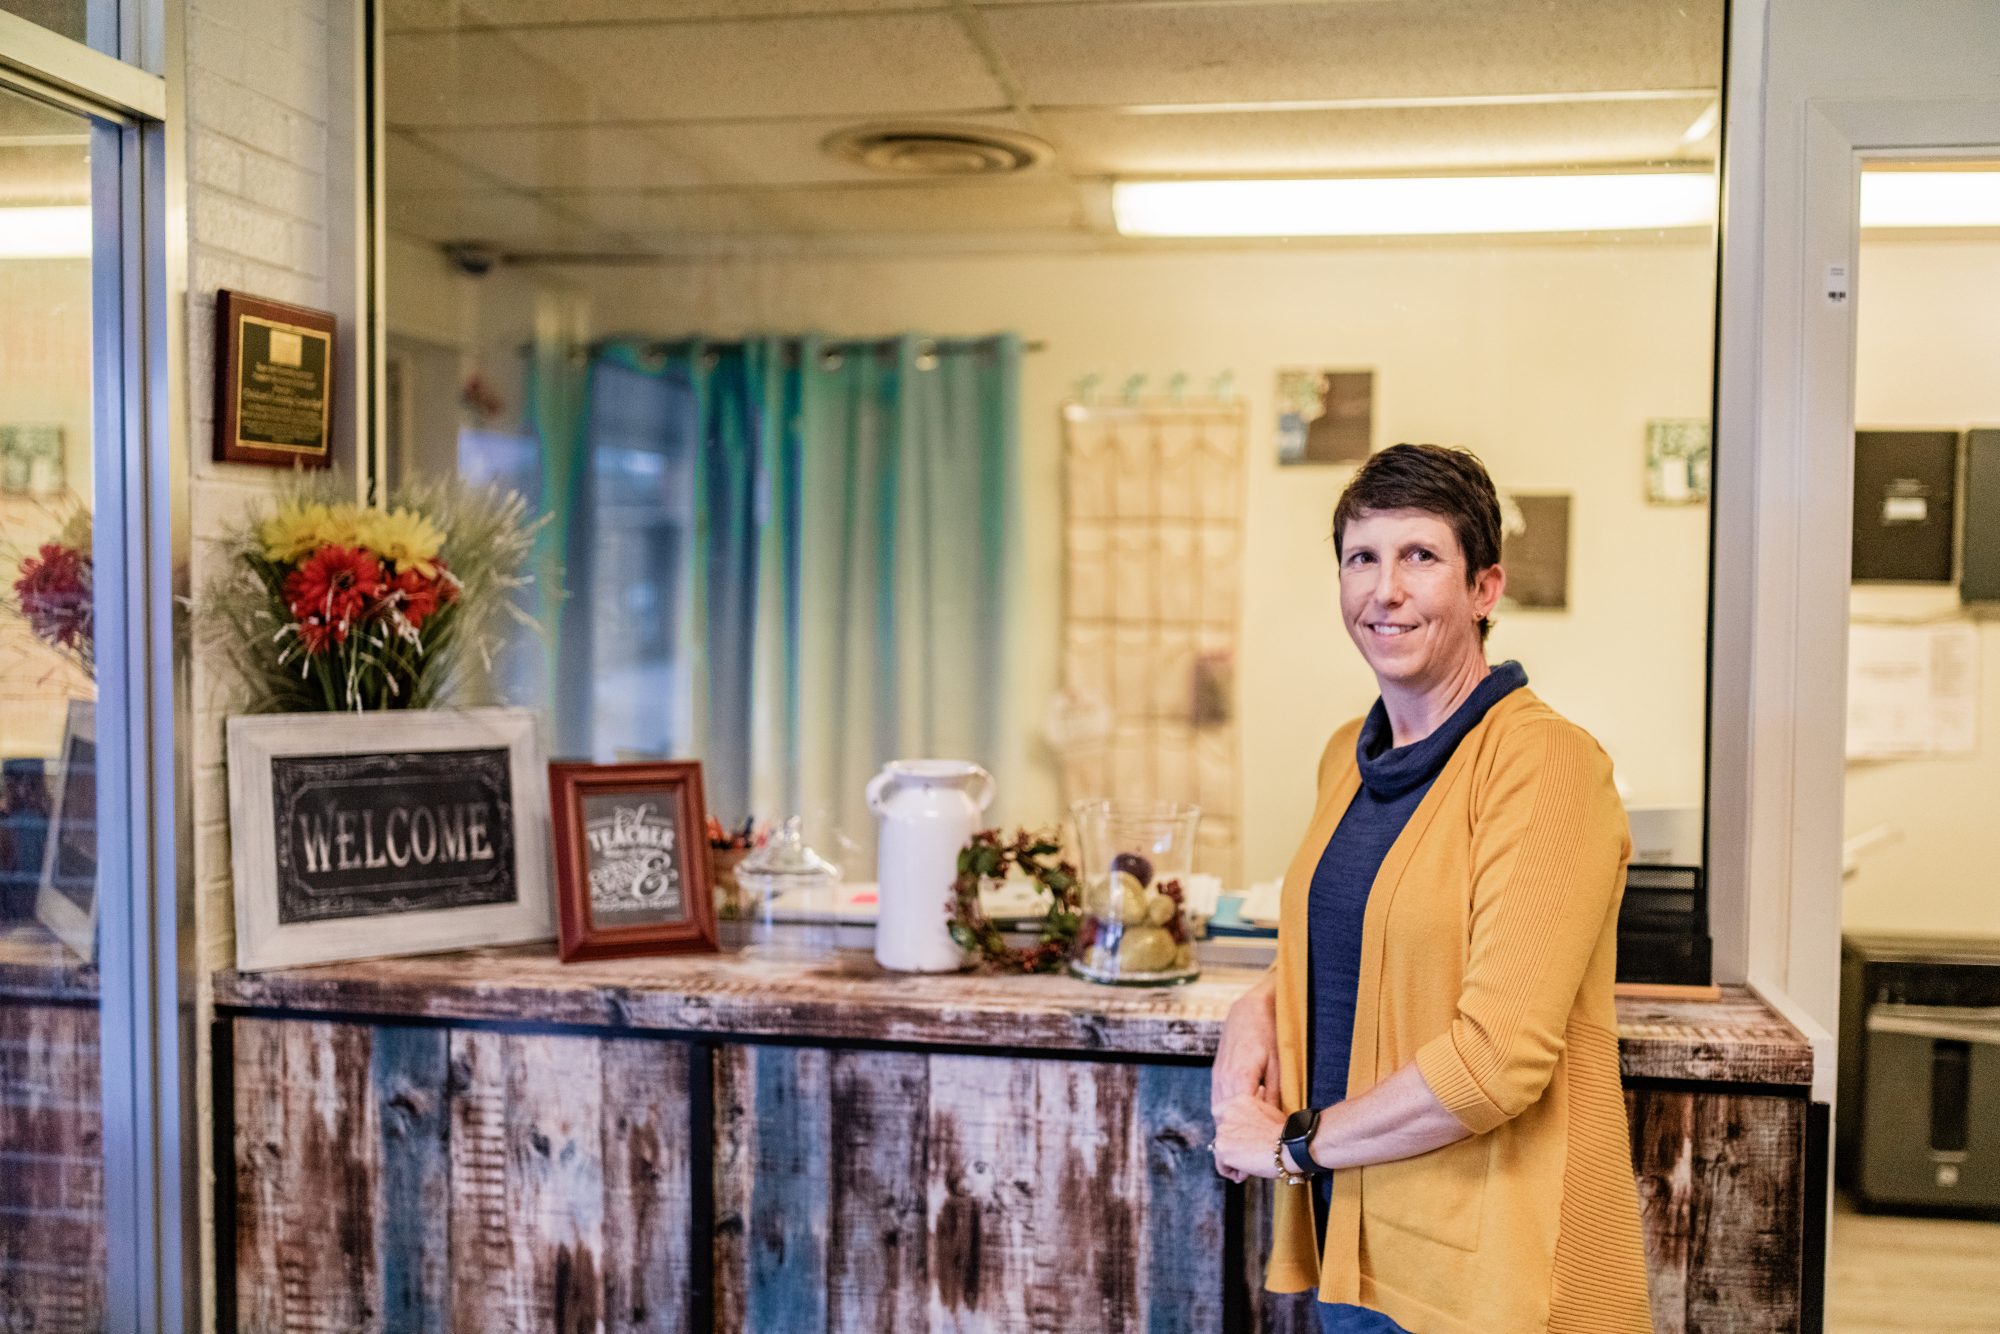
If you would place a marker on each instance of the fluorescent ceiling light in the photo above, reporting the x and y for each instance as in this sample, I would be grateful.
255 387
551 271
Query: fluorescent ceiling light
1416 206
45 233
1930 199
1709 118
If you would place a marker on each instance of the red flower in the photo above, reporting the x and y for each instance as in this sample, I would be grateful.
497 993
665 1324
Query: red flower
422 597
318 634
54 591
335 584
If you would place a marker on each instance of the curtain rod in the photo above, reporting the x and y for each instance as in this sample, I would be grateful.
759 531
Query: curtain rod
830 347
826 345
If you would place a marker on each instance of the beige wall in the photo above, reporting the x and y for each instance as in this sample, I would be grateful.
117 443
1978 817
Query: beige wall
45 354
1547 359
45 313
1927 356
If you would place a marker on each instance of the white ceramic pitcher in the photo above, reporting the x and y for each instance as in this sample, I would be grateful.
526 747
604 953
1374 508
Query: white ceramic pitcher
928 810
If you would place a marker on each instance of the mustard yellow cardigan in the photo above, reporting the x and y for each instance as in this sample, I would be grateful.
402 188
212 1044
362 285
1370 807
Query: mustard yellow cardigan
1487 955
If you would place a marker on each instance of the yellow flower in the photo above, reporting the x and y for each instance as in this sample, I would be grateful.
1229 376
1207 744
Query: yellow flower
75 534
299 529
403 537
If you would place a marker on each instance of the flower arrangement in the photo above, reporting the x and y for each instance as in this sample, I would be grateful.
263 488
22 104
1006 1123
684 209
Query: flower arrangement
332 606
52 591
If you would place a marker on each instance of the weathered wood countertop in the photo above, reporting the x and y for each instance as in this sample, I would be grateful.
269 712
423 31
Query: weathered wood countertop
1737 1039
35 966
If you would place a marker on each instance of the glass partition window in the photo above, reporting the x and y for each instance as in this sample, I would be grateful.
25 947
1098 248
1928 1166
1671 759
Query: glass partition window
902 301
51 1171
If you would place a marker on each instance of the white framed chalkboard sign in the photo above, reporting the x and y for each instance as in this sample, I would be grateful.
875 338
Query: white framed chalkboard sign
360 835
66 901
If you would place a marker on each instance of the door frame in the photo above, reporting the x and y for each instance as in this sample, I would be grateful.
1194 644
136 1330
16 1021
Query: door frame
1784 536
145 933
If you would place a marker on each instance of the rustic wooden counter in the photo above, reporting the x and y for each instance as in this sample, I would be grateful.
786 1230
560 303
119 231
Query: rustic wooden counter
51 1157
847 998
737 1142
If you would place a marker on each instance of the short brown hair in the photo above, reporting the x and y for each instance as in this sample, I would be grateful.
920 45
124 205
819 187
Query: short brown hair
1450 483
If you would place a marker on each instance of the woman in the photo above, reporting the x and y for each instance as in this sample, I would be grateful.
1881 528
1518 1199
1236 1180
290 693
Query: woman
1439 1023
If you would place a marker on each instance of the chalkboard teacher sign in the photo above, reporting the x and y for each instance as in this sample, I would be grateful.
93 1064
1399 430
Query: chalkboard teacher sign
360 835
631 859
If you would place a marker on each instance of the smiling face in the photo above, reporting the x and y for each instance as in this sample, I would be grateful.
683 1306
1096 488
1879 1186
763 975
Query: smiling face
1407 599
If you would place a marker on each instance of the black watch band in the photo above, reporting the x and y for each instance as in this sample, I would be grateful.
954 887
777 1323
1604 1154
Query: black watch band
1297 1137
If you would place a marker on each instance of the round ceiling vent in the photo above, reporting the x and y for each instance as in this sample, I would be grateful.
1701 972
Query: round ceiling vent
937 150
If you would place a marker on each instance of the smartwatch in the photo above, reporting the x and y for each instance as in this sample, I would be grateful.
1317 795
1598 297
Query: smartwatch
1296 1139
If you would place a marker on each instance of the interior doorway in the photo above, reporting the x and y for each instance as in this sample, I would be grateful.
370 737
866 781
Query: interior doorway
1916 1220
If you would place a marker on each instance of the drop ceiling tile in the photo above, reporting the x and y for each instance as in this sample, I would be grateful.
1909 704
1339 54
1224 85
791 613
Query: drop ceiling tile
672 213
411 165
863 64
1280 143
573 157
419 15
495 217
485 78
1099 55
962 207
788 152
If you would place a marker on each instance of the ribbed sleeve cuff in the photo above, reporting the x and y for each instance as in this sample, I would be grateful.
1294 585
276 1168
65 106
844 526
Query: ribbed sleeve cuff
1284 1277
1452 1084
1294 1263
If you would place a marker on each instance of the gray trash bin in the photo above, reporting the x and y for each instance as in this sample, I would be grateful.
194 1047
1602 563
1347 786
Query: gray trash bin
1930 1134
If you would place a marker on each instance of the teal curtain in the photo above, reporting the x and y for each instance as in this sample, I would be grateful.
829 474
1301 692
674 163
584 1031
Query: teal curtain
785 556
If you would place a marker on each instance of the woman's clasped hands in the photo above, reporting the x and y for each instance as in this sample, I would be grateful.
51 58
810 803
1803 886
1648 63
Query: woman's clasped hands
1243 1087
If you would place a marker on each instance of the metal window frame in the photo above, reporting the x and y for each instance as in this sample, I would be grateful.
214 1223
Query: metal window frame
146 959
356 248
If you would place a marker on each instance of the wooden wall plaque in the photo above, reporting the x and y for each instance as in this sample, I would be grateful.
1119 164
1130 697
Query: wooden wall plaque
273 382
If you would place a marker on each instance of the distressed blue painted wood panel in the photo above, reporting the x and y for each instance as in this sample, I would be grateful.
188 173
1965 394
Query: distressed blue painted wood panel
409 1070
790 1190
1183 1271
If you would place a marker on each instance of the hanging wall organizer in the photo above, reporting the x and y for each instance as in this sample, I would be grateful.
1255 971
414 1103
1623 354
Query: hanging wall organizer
1152 607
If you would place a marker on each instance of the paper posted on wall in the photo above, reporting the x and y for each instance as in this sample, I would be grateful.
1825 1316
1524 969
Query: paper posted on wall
1912 690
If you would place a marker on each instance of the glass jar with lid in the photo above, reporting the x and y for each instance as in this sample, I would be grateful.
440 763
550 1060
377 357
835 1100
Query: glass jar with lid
790 896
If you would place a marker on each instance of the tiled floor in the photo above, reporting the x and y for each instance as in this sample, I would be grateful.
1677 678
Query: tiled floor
1893 1273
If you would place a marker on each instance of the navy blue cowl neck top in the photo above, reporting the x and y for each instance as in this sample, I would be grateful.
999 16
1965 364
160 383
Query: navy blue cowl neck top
1394 780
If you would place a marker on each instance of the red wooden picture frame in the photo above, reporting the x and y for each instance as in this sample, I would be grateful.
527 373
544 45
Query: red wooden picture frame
651 850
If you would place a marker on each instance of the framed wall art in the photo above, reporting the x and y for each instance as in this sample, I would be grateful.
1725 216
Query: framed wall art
1905 493
361 835
1534 548
31 460
1677 461
1325 416
66 901
631 859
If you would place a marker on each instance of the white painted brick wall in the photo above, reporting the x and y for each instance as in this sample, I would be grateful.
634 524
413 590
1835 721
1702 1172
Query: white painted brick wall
258 107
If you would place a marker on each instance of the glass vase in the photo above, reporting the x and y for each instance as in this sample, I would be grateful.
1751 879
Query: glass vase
1135 859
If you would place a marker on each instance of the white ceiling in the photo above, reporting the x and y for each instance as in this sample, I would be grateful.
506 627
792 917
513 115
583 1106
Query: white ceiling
678 126
44 153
